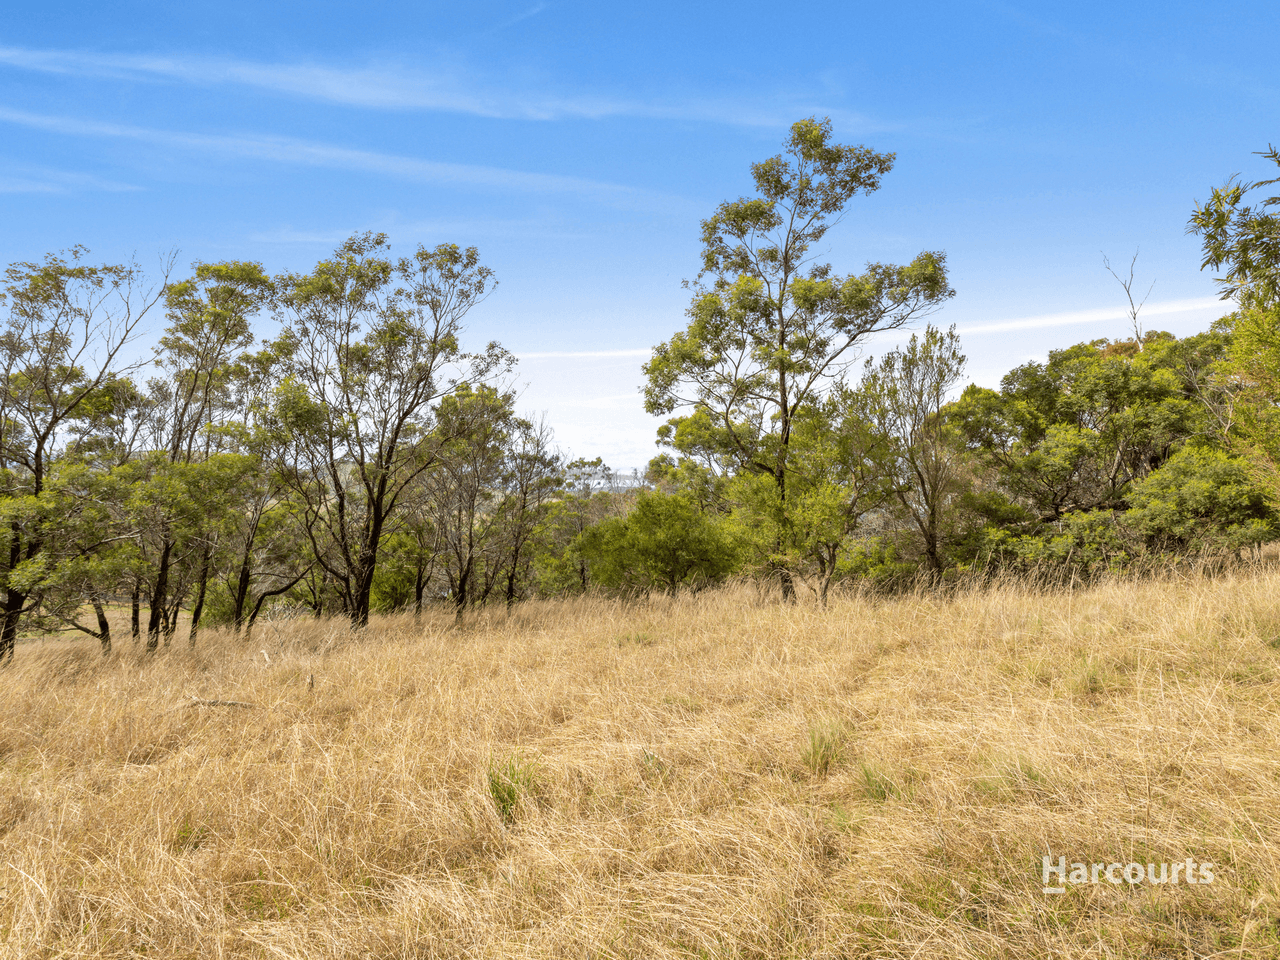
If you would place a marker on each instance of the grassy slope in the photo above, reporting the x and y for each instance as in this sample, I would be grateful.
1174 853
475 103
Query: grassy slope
718 777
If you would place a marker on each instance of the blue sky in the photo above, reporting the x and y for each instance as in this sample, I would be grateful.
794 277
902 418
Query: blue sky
578 145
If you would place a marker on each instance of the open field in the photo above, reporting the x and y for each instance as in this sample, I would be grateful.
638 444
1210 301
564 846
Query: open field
716 776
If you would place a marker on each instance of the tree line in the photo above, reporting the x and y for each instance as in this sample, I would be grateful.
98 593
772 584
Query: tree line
362 458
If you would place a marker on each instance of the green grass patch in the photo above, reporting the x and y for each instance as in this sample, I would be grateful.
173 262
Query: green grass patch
512 781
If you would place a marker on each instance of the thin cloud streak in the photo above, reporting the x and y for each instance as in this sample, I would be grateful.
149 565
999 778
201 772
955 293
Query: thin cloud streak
1092 316
392 89
43 180
542 229
293 151
533 11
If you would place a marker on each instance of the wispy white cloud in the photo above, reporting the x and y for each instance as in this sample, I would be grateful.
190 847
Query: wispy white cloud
366 87
543 229
23 179
308 153
1076 317
533 11
447 88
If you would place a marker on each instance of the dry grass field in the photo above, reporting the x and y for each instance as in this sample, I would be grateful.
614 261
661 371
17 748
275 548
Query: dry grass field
718 776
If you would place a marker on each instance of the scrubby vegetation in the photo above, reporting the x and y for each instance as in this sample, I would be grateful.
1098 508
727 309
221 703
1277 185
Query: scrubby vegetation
357 459
709 776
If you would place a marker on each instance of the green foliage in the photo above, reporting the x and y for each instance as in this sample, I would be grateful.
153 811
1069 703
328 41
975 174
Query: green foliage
769 329
878 562
1246 239
1081 456
1201 500
588 493
904 396
1076 432
1253 371
1082 544
394 582
840 477
368 346
664 542
219 605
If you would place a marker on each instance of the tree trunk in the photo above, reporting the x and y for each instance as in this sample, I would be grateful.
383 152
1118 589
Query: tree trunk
512 575
419 586
788 585
9 632
156 617
262 597
785 576
198 609
240 600
932 540
13 600
826 571
104 627
253 618
364 590
460 593
135 612
365 568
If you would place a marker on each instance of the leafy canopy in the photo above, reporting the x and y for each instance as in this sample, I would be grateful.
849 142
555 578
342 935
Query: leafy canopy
769 326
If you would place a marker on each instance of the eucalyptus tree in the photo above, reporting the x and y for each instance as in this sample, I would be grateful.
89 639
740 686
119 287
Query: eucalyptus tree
903 396
589 492
87 557
473 433
533 479
63 351
1243 241
1243 238
369 346
771 328
841 475
186 475
264 549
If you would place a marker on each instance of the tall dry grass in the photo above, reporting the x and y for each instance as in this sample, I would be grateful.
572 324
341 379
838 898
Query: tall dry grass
719 776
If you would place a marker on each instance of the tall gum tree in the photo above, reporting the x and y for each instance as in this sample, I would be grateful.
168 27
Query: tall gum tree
61 349
265 552
770 328
1243 241
903 398
369 346
209 329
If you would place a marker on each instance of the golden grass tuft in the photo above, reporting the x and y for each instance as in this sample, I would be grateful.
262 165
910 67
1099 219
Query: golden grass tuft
715 776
